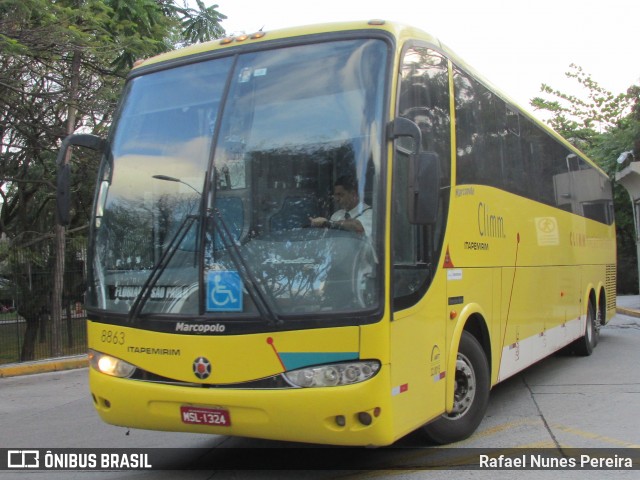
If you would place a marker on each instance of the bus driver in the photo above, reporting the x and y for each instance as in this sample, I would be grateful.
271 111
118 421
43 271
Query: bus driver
352 215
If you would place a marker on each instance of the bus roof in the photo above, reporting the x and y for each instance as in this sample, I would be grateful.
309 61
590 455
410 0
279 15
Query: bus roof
398 30
401 32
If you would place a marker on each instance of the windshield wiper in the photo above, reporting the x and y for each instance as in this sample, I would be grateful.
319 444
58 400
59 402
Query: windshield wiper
260 299
160 267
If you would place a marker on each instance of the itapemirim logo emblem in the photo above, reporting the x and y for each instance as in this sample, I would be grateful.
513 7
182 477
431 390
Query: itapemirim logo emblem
202 368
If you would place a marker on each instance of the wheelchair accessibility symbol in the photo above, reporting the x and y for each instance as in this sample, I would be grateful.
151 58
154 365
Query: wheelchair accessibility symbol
224 292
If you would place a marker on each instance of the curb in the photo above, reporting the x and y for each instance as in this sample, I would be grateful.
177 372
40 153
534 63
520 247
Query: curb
628 311
43 366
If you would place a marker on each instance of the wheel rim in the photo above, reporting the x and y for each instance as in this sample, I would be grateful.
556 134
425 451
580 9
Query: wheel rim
465 390
598 322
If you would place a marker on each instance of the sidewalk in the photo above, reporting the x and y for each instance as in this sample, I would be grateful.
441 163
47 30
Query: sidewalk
42 366
626 305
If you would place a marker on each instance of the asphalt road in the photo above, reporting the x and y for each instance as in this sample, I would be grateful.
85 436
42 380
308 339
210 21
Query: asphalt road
561 403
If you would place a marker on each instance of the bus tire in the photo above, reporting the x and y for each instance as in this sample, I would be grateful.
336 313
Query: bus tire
471 396
584 345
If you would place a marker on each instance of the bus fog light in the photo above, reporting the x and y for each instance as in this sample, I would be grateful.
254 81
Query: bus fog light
341 421
333 375
365 418
110 365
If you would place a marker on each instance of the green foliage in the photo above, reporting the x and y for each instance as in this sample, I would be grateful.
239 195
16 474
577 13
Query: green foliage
62 65
603 125
201 25
62 68
138 29
583 116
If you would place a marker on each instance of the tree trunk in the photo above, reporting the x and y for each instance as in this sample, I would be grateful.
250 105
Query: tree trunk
56 295
69 324
28 351
60 240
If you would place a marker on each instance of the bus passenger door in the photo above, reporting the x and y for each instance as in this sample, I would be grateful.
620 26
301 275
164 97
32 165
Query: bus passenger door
417 331
418 327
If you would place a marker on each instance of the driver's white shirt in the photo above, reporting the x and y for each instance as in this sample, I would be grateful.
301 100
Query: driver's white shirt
361 212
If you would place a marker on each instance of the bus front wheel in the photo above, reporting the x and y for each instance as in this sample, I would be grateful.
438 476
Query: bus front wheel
471 395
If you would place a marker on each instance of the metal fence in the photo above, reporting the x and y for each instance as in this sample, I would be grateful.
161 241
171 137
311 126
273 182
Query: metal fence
26 320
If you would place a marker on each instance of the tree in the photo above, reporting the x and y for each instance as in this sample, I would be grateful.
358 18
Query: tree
603 125
583 117
201 25
62 66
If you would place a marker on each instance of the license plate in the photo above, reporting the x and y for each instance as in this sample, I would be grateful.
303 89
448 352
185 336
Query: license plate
216 417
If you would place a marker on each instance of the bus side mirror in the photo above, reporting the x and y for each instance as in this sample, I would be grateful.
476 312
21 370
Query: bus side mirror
63 187
424 188
424 174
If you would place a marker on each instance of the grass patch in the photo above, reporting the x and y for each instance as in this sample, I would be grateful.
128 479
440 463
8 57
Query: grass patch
12 329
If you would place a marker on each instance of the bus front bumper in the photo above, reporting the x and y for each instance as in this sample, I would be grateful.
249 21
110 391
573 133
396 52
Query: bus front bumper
357 414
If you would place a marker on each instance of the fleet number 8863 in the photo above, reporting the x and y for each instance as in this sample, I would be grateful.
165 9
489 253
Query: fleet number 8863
115 337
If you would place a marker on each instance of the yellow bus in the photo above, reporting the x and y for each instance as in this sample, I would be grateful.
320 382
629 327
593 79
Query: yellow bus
334 234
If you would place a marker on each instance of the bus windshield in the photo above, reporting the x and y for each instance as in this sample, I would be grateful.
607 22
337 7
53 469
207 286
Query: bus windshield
246 186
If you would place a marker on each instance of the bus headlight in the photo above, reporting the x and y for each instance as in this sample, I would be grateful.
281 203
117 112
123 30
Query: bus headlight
332 375
110 365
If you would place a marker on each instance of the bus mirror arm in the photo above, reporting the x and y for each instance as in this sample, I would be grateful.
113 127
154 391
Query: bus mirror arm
63 186
86 140
403 127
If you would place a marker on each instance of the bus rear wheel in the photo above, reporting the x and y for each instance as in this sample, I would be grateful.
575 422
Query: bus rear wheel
471 395
584 345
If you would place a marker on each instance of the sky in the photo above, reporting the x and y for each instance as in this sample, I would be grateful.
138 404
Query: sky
516 45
